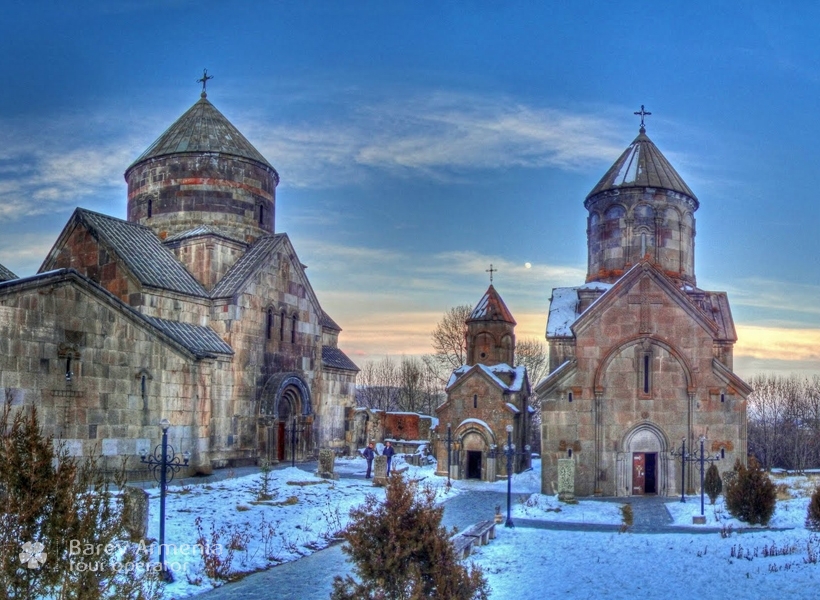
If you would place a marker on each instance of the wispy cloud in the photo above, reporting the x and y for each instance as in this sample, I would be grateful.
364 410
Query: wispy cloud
439 135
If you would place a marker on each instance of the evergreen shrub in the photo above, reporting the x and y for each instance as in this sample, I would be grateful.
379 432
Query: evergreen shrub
751 497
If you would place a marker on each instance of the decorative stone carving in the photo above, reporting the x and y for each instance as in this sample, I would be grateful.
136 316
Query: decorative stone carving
566 480
380 471
327 464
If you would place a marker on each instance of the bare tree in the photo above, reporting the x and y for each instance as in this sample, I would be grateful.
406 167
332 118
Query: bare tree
450 337
378 384
532 354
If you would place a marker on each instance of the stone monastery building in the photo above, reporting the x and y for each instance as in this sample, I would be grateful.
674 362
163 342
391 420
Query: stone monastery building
193 309
640 358
485 397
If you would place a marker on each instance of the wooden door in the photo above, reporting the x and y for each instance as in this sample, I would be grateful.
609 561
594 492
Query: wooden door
280 439
638 473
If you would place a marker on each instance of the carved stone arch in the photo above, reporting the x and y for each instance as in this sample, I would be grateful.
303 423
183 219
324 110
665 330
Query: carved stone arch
643 339
644 440
483 343
642 211
476 450
285 389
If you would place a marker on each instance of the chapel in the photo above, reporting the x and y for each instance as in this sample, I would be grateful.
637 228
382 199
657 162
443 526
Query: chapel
640 357
487 400
195 309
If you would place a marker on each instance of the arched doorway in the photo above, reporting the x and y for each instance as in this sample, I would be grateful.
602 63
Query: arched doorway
475 451
643 465
285 418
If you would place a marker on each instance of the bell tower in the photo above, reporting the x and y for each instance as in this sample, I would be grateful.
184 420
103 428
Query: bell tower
490 332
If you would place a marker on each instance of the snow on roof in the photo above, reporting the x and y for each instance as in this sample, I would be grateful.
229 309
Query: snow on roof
476 421
513 408
517 374
628 172
564 308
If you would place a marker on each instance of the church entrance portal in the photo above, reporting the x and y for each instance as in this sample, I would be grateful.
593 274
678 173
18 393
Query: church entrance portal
644 473
280 446
473 464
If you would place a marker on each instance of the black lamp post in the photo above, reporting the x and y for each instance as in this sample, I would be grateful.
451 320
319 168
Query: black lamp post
164 463
509 450
294 434
449 442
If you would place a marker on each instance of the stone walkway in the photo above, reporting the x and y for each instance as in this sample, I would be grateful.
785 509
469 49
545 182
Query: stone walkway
311 578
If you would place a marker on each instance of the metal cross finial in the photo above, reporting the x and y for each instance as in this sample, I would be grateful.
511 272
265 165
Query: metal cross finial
642 113
204 80
491 271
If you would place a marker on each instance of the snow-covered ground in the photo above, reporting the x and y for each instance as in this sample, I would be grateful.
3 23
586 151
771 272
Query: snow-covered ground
305 513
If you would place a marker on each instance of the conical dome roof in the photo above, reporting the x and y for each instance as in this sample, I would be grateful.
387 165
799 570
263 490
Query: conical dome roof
491 308
202 129
642 165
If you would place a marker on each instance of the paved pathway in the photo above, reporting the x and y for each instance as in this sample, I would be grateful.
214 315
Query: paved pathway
311 577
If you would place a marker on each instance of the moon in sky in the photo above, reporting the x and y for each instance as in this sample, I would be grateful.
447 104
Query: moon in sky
528 265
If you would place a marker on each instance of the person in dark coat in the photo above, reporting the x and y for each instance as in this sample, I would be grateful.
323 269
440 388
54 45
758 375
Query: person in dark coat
389 451
369 453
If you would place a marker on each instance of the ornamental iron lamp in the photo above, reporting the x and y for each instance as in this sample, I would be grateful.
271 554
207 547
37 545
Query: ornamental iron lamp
509 450
164 463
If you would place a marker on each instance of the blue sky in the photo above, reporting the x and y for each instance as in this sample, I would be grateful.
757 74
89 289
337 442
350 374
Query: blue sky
418 142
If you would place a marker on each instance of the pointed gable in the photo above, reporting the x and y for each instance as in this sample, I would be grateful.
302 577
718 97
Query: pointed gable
136 247
6 275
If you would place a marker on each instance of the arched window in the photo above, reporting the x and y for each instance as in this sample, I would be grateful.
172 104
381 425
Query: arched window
261 214
475 400
150 209
269 325
68 373
282 326
293 330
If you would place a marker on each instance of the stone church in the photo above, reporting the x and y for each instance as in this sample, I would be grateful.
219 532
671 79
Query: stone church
485 397
640 358
193 309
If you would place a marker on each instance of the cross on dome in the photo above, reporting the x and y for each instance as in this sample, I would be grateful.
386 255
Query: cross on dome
204 80
642 113
491 271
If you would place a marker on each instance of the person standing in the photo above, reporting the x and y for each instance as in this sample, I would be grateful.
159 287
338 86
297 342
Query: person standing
389 451
369 453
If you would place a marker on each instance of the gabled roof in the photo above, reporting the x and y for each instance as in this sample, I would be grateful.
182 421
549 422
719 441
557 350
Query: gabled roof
329 323
717 319
491 308
642 165
6 275
140 250
196 340
201 231
202 129
247 265
333 357
518 376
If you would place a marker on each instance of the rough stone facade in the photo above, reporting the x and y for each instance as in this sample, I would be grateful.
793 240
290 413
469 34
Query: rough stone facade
484 398
193 310
640 358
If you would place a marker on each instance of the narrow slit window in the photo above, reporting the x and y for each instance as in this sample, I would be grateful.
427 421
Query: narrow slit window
261 214
723 452
282 326
722 397
293 330
645 373
569 396
475 400
269 325
150 208
68 372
